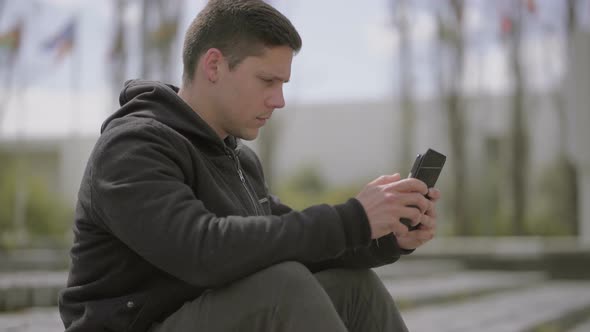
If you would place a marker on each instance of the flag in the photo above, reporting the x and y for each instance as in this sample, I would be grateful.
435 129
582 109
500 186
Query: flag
163 34
531 5
118 46
11 39
63 42
506 25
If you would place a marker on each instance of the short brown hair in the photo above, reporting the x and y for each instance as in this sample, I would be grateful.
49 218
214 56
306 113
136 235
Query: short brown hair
238 28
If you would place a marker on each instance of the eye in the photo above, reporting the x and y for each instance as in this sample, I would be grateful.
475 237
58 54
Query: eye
268 81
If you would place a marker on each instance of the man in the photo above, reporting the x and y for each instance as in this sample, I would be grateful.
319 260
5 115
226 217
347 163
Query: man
176 231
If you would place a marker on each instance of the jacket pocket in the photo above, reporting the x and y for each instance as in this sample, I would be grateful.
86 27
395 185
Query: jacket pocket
117 314
265 204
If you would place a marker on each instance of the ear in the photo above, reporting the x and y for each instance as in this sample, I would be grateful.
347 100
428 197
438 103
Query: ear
211 63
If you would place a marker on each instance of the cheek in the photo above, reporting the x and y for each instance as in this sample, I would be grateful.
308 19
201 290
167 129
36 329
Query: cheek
251 97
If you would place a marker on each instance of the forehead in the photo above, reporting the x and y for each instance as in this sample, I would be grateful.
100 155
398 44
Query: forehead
274 61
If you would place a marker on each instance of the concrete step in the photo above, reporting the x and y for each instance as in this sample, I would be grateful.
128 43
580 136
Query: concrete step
404 269
582 327
410 291
534 308
461 285
27 289
34 259
530 309
32 320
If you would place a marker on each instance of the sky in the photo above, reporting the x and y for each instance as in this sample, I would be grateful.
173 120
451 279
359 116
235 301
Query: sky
350 52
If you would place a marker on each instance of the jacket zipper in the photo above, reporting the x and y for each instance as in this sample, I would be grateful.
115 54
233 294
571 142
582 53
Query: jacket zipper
233 156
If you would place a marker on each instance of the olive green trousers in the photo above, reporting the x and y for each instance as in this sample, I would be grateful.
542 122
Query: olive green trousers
288 297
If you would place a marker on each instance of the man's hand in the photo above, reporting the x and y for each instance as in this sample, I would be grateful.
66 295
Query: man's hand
426 230
388 198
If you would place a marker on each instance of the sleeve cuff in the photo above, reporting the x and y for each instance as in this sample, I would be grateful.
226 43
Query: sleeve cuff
402 251
355 223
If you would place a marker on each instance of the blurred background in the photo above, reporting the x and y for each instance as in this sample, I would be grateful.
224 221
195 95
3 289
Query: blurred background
501 87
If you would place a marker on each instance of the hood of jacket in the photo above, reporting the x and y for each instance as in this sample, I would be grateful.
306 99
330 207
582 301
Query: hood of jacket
160 102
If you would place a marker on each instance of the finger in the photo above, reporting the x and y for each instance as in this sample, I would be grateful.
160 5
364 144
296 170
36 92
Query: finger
408 185
408 212
422 235
398 229
414 200
428 222
433 194
385 179
431 211
415 239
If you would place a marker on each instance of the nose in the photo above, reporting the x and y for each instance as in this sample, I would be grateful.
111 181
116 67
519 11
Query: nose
277 99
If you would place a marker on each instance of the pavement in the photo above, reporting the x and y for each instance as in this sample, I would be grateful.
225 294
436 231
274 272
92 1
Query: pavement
529 309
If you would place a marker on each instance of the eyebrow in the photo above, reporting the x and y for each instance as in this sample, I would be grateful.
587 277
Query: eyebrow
274 77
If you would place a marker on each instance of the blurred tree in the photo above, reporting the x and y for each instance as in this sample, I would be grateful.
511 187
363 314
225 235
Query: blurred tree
307 180
567 188
405 67
118 52
307 187
512 31
10 42
160 22
267 143
41 215
450 29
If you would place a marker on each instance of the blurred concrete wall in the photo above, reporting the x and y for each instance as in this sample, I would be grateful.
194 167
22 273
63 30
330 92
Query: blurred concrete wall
356 140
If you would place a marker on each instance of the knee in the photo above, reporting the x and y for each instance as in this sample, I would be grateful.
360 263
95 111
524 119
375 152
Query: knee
289 269
363 280
287 278
355 276
368 277
367 282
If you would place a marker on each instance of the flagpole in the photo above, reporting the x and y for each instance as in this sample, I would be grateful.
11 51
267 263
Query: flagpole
21 187
13 37
19 213
19 216
75 68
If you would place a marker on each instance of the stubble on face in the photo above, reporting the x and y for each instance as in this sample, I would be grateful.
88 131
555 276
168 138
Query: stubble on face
251 91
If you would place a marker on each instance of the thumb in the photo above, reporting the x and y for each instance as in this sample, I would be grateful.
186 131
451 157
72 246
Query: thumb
385 179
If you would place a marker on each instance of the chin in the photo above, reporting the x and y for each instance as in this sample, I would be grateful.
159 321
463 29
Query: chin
248 136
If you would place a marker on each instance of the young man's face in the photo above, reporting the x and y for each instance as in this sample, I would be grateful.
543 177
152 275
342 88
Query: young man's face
248 94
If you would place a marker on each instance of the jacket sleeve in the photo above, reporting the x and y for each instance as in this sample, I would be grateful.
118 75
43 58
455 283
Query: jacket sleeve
379 252
139 193
382 251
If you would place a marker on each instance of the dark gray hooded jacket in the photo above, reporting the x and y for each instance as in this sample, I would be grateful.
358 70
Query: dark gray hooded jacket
166 209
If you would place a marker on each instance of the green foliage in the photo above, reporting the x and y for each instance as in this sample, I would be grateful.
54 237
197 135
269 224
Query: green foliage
307 188
307 181
46 217
537 224
544 218
558 189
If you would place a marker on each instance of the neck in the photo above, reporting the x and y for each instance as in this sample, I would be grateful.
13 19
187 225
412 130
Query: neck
201 106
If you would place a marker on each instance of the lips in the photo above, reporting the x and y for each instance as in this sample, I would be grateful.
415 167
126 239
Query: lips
262 120
263 117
